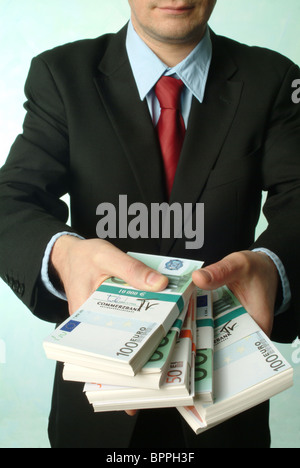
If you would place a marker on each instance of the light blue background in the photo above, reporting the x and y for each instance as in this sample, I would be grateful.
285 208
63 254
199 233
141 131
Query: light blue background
28 27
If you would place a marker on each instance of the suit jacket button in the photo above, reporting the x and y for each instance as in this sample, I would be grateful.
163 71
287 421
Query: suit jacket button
10 282
15 286
21 290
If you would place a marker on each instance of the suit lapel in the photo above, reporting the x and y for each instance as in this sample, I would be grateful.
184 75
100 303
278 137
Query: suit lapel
131 120
208 127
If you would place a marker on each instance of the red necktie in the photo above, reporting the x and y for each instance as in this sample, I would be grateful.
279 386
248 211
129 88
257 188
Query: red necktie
170 127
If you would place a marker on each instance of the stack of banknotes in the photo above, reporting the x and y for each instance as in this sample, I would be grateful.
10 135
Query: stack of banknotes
247 367
212 361
119 327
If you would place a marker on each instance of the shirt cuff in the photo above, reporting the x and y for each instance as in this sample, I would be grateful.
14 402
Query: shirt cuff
45 265
286 290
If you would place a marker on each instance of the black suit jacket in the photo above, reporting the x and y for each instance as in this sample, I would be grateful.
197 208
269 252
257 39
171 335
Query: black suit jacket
88 134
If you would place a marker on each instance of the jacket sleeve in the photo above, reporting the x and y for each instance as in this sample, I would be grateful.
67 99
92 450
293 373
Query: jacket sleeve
281 180
32 182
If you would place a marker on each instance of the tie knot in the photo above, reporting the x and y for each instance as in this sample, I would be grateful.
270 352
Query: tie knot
168 92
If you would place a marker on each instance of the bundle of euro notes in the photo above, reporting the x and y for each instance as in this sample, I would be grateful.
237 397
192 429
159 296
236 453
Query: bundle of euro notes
183 379
210 359
176 389
204 346
119 327
247 369
234 366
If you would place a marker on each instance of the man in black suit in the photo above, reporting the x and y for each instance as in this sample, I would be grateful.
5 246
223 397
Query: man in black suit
90 132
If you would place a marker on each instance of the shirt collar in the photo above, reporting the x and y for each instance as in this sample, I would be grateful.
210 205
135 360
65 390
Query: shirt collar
148 68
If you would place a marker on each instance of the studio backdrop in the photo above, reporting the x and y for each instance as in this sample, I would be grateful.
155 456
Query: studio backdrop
28 27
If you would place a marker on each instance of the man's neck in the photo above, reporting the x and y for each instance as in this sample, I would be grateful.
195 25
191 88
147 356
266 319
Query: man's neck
170 53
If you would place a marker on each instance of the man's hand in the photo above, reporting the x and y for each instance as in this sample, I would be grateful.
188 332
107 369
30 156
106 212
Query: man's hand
252 277
82 265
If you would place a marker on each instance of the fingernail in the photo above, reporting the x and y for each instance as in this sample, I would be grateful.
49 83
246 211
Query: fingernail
207 275
154 279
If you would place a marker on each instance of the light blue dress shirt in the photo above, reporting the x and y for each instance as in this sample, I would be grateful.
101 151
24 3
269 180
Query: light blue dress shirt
147 70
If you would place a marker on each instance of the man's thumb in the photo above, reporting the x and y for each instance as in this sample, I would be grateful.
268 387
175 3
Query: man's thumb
140 276
216 275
